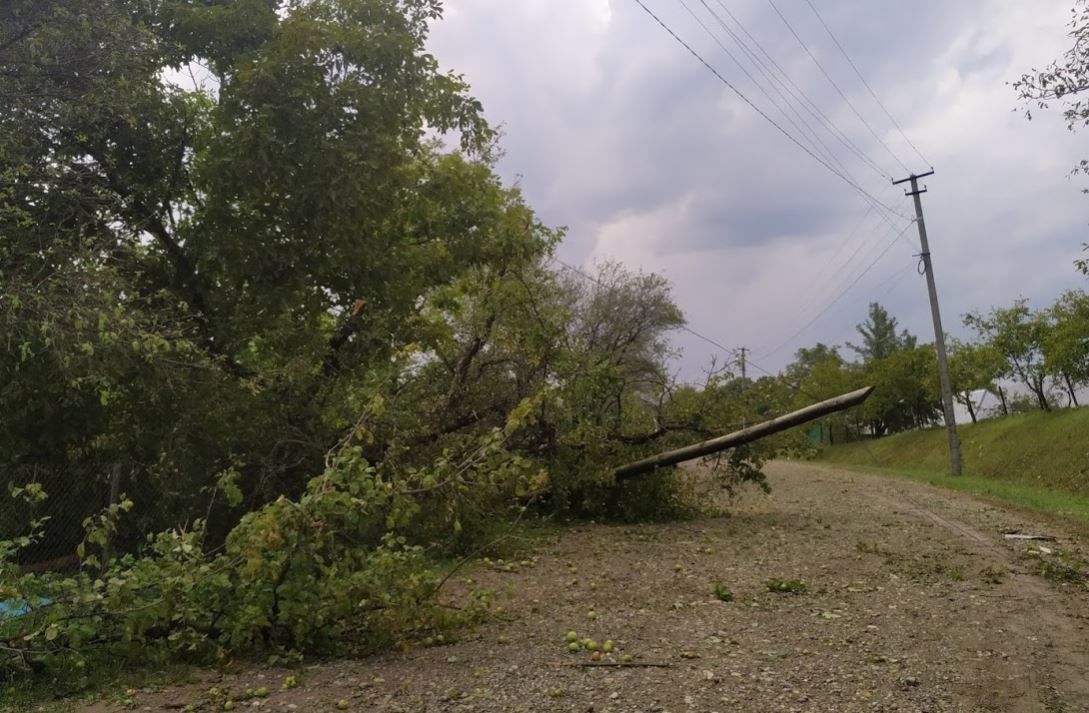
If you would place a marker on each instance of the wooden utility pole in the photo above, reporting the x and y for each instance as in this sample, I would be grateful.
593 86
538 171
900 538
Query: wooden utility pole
741 357
746 435
939 333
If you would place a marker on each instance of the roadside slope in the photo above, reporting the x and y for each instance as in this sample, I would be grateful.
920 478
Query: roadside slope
1043 449
914 601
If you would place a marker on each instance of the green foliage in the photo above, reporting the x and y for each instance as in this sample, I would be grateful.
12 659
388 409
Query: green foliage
1063 569
1065 344
906 395
786 586
192 274
1017 333
722 592
880 339
973 367
233 257
327 573
1036 449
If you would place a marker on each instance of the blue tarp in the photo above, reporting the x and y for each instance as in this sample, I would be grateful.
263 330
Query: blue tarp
15 608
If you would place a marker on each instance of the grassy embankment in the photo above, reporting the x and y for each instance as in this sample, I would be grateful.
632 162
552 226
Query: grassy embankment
1038 461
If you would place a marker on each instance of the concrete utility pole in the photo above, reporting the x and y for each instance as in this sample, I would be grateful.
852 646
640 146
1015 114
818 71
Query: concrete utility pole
939 333
745 435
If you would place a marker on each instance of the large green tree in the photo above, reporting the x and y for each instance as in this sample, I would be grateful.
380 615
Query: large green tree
1066 341
820 372
216 220
972 368
905 394
879 336
1017 333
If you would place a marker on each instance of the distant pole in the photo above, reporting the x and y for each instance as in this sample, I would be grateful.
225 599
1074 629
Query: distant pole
939 333
744 374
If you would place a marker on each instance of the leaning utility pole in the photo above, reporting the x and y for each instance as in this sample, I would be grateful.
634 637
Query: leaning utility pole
939 334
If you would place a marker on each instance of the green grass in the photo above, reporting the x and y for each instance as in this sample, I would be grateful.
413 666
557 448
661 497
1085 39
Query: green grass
1039 461
1033 497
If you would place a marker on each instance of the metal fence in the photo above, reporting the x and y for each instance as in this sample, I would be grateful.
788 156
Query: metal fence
72 496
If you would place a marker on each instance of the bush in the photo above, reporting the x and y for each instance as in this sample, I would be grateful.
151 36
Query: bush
329 573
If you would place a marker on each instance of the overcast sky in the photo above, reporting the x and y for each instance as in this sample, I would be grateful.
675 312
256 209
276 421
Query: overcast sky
616 132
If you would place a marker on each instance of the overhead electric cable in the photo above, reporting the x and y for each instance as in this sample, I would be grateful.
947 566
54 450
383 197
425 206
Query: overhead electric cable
804 128
725 350
599 283
832 284
865 83
838 297
757 109
835 85
802 98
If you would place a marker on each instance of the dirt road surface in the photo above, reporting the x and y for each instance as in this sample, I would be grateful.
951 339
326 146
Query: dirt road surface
914 601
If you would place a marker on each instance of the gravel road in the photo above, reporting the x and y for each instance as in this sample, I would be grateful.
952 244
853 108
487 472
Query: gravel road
914 601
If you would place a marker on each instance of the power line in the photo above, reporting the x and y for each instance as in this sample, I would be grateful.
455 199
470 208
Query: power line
683 328
755 108
822 277
833 83
802 98
892 282
865 83
832 280
762 68
817 142
792 384
838 297
725 350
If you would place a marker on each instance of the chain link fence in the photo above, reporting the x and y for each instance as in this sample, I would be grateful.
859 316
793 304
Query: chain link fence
72 495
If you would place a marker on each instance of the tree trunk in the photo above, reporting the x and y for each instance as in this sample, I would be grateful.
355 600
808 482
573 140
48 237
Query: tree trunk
968 405
1070 388
1038 389
1002 397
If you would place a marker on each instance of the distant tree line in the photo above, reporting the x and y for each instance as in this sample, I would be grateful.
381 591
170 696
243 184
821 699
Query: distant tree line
1044 352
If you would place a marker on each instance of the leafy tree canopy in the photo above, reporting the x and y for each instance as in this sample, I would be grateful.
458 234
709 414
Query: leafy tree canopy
879 336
